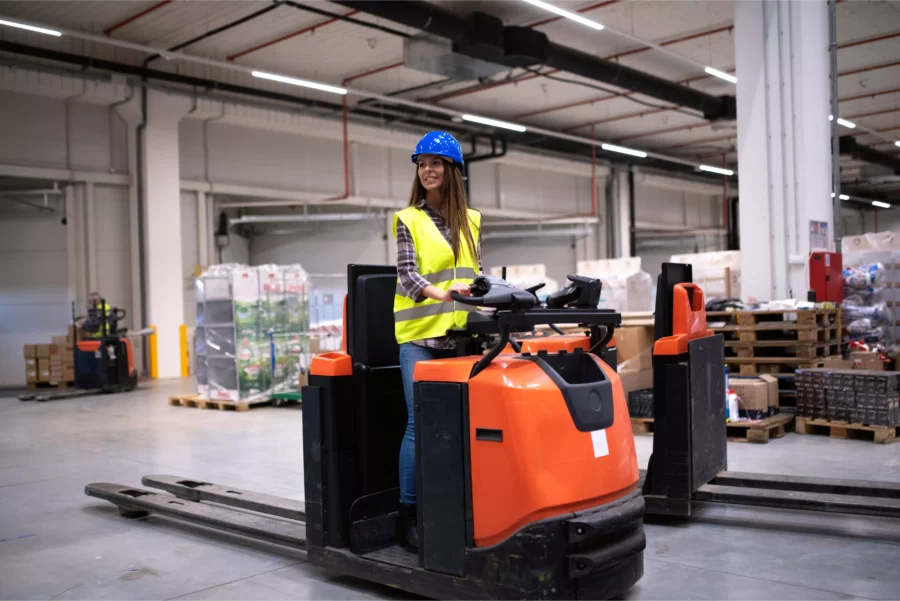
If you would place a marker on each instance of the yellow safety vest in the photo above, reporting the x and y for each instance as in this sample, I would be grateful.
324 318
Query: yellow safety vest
436 263
99 332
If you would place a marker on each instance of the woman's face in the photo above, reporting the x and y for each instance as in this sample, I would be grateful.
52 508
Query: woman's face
431 171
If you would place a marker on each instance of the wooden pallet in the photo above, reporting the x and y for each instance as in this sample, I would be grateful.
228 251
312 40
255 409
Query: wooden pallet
641 425
782 348
812 326
60 385
783 318
878 434
761 431
771 365
193 400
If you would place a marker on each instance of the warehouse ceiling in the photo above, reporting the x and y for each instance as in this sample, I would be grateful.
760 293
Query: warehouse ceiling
340 45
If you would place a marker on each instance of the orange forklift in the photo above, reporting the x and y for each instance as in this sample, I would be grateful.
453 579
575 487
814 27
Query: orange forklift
102 365
527 474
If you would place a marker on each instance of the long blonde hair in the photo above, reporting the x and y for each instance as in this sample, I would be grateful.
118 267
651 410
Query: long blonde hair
455 207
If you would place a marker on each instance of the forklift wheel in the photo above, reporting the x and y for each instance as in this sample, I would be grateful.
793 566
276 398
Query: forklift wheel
276 402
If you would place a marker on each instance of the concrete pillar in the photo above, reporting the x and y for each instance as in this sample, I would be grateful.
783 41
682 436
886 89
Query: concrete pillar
784 151
621 211
90 236
162 226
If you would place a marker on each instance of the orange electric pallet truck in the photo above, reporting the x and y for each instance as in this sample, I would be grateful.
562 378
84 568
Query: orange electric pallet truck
527 480
102 365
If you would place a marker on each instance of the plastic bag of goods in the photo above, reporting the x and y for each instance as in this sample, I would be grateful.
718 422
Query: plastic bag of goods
875 314
864 277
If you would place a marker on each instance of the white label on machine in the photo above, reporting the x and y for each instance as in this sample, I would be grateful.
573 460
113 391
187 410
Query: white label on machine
601 446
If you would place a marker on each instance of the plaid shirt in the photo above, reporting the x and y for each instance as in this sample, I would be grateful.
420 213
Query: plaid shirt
408 270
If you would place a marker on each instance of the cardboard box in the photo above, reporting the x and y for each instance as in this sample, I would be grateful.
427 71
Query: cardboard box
42 351
857 360
759 395
31 374
43 370
29 351
60 340
637 372
631 341
870 361
31 363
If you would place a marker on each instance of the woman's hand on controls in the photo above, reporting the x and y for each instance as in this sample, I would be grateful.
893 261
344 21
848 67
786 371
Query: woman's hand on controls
459 288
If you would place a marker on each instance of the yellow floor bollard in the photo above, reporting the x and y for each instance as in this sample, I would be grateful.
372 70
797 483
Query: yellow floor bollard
151 345
185 357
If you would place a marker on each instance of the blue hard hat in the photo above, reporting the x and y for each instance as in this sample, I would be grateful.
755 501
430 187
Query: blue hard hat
441 144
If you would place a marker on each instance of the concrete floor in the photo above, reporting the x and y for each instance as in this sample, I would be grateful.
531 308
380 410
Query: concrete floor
56 543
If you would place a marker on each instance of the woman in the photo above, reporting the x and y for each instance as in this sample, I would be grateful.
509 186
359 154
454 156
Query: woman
438 252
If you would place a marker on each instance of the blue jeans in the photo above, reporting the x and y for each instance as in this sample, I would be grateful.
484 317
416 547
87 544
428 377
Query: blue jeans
410 354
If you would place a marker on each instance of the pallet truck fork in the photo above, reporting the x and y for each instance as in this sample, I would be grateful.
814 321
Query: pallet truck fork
688 469
527 477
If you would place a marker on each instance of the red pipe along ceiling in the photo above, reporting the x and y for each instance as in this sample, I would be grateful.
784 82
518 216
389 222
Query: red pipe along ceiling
135 17
344 117
702 125
603 99
580 10
310 28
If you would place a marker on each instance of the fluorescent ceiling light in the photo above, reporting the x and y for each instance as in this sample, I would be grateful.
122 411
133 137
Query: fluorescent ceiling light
493 122
843 196
30 28
896 143
716 170
883 205
721 74
299 82
844 122
623 150
564 13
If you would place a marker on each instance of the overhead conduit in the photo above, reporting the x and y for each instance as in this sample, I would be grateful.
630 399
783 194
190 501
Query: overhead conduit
487 38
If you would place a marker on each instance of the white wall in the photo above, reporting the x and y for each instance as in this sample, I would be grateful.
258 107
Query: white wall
113 247
34 297
657 205
33 132
324 247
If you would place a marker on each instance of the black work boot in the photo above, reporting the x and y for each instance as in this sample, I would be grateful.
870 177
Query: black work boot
407 533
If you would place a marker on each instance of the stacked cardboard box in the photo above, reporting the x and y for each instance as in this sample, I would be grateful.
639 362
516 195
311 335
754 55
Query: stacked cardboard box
758 394
31 363
849 395
50 363
62 361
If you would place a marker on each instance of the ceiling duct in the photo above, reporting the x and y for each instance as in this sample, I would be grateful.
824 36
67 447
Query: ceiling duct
437 56
849 146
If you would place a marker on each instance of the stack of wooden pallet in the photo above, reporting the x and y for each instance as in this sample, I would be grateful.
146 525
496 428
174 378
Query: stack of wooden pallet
777 341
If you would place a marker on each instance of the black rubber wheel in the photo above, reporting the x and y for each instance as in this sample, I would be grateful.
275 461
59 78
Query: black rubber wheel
133 514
